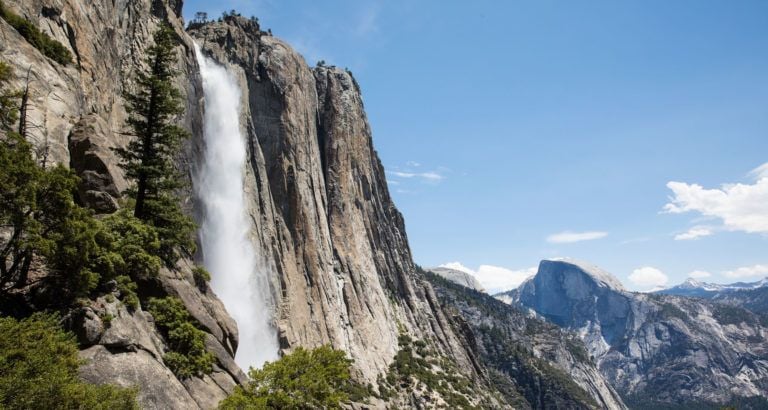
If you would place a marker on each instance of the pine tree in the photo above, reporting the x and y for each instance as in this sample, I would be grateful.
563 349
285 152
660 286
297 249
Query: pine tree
148 160
9 104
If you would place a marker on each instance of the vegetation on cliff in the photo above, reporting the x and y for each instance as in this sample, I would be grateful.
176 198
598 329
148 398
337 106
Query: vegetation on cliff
41 41
187 356
38 370
304 379
417 367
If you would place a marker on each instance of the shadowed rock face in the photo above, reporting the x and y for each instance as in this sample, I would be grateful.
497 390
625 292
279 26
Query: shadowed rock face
655 347
585 300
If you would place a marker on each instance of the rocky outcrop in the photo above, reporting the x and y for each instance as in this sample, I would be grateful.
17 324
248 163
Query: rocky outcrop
458 277
653 348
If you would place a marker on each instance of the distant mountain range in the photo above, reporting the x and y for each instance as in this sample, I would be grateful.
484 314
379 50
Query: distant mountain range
658 350
692 287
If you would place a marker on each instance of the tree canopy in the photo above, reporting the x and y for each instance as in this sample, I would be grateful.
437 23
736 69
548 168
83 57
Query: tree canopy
38 370
303 379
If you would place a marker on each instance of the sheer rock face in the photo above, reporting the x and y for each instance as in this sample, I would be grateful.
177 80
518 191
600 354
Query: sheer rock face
668 348
341 267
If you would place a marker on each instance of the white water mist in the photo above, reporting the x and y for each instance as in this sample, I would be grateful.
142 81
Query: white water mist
228 253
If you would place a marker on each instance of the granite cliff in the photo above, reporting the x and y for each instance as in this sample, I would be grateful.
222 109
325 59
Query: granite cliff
458 277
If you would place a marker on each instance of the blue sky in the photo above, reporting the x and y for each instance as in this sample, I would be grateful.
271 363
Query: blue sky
520 130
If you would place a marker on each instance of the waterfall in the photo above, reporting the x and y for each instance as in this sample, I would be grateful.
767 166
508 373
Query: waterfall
237 277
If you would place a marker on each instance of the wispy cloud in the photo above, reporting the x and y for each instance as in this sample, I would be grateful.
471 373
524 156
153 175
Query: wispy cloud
699 274
694 233
572 237
430 176
739 207
635 240
747 272
759 172
368 19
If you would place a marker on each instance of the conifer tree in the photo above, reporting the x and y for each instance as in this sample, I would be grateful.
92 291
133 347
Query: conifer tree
148 160
9 105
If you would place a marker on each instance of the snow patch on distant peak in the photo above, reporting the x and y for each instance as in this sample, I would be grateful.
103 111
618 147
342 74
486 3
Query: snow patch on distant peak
600 276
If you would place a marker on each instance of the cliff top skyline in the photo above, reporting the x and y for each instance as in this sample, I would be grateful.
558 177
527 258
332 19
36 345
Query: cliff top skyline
523 131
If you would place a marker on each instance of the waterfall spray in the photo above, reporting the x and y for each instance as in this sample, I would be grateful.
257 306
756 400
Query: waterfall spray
236 274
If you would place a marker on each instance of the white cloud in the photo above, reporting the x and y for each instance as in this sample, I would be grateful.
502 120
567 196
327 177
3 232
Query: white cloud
760 172
413 164
747 272
430 176
495 279
458 266
740 207
694 233
571 237
699 274
648 278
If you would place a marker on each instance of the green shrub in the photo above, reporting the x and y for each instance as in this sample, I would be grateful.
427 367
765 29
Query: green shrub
187 356
38 370
136 246
201 277
41 41
304 379
9 98
127 289
106 318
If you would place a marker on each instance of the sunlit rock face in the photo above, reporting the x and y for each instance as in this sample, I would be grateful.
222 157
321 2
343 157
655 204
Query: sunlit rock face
666 348
459 277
